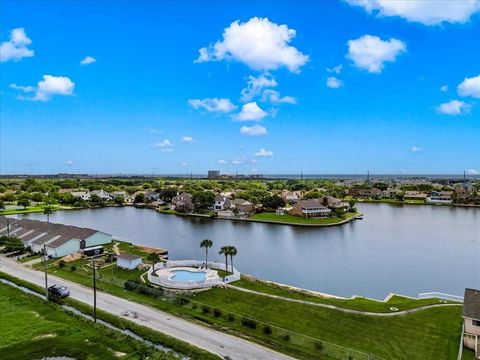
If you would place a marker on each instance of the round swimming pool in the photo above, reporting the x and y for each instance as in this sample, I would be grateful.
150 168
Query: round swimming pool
186 275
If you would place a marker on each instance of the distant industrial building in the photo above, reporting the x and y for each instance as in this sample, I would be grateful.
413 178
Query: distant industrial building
213 174
57 239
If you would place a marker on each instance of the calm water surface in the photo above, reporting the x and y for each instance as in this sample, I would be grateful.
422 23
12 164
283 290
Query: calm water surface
401 249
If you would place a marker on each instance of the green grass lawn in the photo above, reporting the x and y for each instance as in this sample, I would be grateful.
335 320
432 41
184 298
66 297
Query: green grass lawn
290 219
364 304
33 329
32 209
468 354
429 334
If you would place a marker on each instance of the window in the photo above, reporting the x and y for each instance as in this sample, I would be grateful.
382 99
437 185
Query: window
476 322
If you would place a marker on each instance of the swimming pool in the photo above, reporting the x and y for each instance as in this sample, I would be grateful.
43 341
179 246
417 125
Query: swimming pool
185 275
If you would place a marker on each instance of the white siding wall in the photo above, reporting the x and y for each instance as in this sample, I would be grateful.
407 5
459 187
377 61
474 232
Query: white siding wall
99 238
70 247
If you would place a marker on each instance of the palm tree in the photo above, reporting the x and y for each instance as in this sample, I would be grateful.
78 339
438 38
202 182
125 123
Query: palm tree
206 243
224 251
232 251
154 258
48 211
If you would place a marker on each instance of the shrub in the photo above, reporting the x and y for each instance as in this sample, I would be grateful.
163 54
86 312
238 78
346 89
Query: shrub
62 264
252 324
318 345
230 318
267 329
217 313
286 337
181 301
205 309
73 268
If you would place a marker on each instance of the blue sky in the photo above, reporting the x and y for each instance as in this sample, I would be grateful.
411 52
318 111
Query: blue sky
404 100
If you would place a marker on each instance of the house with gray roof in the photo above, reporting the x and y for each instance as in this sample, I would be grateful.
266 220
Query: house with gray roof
312 208
471 320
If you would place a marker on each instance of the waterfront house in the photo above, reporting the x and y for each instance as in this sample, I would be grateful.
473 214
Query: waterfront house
152 196
183 202
312 208
463 196
389 193
119 193
57 239
291 196
128 261
440 197
415 195
471 320
334 203
364 193
221 203
84 195
102 194
242 206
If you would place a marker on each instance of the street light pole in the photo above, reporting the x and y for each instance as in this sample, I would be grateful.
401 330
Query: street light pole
45 266
94 294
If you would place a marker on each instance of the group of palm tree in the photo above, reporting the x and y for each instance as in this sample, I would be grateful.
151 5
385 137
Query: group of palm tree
224 250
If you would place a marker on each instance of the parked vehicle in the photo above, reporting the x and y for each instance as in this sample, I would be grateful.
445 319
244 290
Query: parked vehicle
58 291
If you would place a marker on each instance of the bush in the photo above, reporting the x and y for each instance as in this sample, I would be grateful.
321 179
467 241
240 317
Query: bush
267 330
62 264
318 346
73 268
230 318
217 313
181 301
205 309
252 324
286 337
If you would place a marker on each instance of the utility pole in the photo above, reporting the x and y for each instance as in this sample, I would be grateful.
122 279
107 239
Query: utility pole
368 177
94 294
301 176
8 227
45 266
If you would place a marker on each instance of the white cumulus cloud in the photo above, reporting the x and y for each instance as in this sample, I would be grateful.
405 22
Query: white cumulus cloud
165 145
264 153
334 83
187 138
17 47
369 52
444 88
258 43
222 162
453 107
48 87
275 98
250 112
70 163
415 149
470 87
336 69
88 60
25 89
214 105
255 130
255 85
473 172
428 12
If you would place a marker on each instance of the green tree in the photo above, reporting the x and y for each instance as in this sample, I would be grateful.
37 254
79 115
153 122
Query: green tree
203 199
206 243
48 211
224 251
153 258
139 198
119 200
232 251
13 244
23 202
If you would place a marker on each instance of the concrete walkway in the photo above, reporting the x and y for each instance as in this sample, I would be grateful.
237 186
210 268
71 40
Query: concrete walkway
217 342
338 308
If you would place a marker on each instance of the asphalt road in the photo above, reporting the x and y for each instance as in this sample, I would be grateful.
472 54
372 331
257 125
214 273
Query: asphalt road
214 341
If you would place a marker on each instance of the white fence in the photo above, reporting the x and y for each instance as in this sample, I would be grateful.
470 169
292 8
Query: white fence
439 295
191 284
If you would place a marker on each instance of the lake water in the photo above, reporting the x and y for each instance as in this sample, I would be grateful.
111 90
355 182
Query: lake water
401 249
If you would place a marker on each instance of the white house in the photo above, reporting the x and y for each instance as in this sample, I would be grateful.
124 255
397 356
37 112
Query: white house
102 194
128 261
84 195
440 197
221 203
